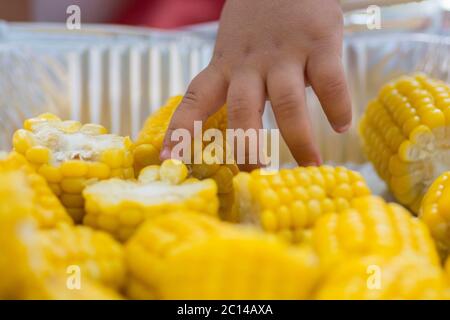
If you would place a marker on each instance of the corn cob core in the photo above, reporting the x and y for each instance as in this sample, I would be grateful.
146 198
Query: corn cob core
150 141
33 262
289 202
406 276
119 206
70 155
190 256
371 227
435 212
405 135
46 208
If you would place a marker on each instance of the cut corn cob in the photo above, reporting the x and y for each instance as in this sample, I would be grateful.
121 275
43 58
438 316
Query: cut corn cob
405 135
119 206
46 208
435 212
191 256
150 140
406 276
70 155
29 256
289 202
371 227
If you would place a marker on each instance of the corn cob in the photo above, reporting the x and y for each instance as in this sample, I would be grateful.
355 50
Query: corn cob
70 155
190 256
29 257
406 276
46 208
405 133
371 227
435 212
150 140
289 202
119 206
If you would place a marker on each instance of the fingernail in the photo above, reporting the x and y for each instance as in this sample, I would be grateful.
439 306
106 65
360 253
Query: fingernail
165 153
343 128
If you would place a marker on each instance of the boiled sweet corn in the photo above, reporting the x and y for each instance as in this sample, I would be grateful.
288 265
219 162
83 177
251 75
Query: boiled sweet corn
70 155
119 206
435 212
46 208
289 202
34 262
191 256
150 141
371 227
406 276
405 133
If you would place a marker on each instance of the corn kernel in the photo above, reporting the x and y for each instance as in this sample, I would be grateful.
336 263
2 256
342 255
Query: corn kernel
173 171
38 155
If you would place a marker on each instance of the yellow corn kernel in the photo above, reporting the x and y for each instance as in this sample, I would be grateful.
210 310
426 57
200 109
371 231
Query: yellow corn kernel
74 169
114 158
23 140
50 173
72 200
73 185
149 174
98 170
38 154
173 171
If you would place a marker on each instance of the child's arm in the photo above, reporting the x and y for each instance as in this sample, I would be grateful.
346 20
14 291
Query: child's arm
272 48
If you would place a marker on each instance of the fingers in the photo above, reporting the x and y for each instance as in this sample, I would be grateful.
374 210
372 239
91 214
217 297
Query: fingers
286 89
326 75
204 96
245 103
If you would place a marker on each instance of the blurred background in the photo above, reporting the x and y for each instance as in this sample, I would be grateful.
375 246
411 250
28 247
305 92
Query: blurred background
149 13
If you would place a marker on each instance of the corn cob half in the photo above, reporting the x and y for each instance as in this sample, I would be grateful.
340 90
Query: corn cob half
435 212
289 202
150 141
46 208
31 259
119 206
371 227
70 155
405 135
190 256
405 276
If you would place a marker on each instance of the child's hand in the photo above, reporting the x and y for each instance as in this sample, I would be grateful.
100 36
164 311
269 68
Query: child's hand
272 48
